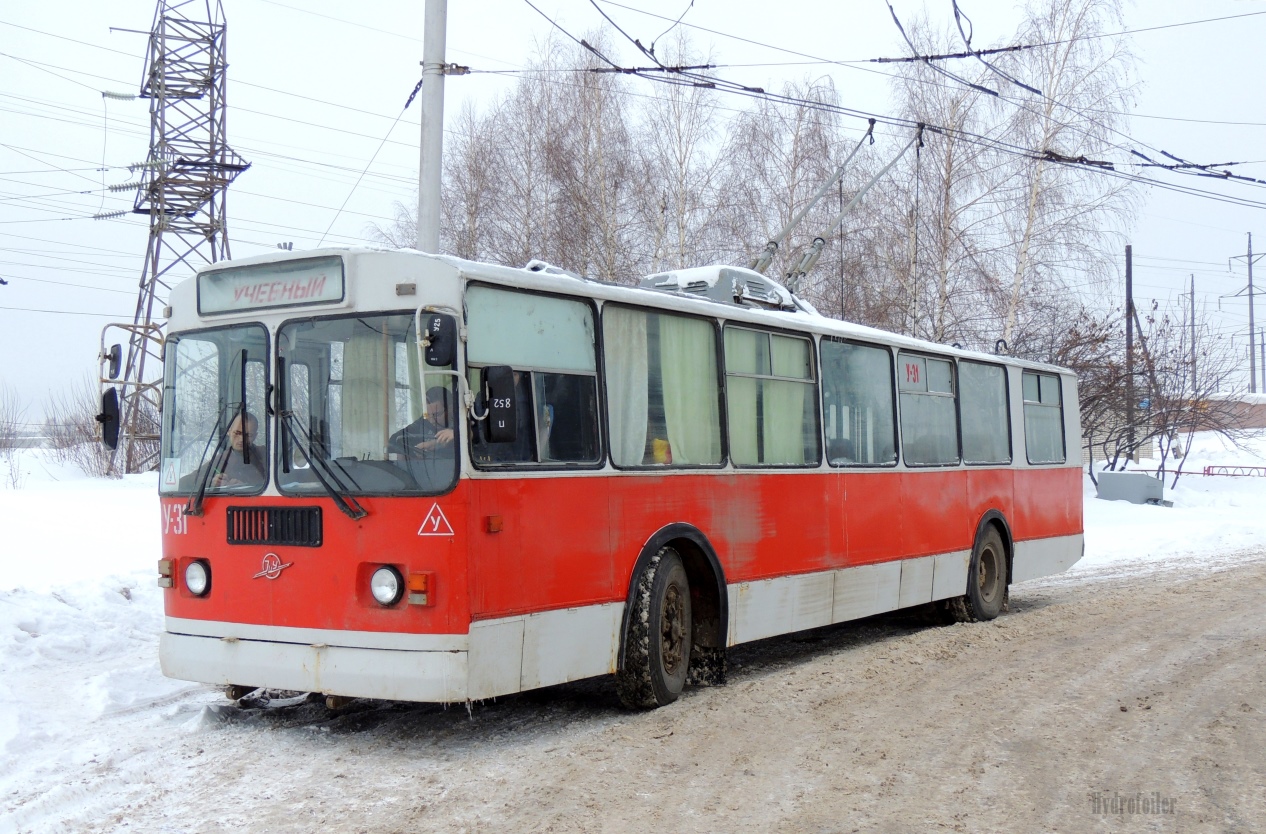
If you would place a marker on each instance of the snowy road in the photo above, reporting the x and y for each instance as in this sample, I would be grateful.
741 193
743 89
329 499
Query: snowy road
1148 683
883 725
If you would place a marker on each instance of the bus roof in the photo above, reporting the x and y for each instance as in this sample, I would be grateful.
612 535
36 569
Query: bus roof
539 275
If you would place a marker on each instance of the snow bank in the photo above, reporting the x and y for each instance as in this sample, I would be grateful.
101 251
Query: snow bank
1212 516
79 616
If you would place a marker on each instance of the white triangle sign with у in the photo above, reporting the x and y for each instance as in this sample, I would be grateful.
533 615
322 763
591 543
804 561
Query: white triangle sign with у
435 524
170 476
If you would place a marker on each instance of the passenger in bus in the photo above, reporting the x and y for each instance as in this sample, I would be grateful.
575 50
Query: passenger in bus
840 450
240 464
430 433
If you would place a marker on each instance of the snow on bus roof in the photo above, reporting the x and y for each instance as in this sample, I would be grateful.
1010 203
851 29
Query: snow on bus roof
547 277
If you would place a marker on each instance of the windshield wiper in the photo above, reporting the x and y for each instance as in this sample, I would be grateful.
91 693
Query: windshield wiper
194 505
322 468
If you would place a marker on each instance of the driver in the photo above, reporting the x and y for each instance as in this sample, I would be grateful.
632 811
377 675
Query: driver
431 432
240 464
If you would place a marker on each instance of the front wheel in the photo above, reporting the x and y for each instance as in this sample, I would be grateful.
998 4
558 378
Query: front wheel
658 637
986 582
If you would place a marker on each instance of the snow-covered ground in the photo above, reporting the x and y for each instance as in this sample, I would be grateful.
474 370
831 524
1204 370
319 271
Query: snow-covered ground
80 614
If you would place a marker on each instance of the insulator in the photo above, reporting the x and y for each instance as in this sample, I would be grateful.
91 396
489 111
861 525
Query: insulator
109 215
123 186
118 96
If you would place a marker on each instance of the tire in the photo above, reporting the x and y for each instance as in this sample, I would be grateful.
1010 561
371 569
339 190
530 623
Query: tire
658 636
987 588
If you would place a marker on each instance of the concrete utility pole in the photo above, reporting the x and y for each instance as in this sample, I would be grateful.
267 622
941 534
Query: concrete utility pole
1129 347
431 162
1250 259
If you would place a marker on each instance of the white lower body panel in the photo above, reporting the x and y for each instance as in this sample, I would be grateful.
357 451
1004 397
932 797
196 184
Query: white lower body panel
786 604
438 676
1044 557
498 657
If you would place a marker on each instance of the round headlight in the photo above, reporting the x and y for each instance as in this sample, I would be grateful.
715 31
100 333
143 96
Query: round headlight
386 586
198 578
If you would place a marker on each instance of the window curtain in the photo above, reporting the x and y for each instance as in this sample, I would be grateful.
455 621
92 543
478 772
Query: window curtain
414 369
784 402
741 400
688 365
624 333
368 372
784 422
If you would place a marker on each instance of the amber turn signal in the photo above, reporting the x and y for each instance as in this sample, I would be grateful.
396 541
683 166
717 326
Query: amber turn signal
420 588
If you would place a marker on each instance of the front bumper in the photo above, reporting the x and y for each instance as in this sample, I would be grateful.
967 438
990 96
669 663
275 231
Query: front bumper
407 674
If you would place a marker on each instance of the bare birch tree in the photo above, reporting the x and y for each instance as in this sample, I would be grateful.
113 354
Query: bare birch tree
776 156
677 196
1062 213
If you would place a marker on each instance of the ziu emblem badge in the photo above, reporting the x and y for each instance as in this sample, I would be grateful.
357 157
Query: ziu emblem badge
271 567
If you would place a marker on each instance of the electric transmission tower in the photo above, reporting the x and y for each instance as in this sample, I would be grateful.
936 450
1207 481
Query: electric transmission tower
182 190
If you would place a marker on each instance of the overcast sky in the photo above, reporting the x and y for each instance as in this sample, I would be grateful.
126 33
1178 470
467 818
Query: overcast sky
315 85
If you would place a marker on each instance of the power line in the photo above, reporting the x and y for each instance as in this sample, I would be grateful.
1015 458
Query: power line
1012 101
967 136
66 312
66 284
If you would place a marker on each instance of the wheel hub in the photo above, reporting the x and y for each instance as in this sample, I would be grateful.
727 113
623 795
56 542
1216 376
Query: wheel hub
672 630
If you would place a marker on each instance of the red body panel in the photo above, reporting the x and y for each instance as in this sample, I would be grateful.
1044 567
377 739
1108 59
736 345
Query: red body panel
567 541
322 587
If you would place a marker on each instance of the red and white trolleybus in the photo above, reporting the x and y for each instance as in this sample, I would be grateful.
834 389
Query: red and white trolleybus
404 476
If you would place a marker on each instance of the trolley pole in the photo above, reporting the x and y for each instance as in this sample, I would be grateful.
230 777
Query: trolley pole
1129 347
431 155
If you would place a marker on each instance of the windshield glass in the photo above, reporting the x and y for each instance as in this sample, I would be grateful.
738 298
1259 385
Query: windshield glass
357 397
213 411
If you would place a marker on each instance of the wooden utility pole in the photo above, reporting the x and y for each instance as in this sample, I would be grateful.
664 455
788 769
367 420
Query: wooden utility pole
1193 335
1129 347
1252 353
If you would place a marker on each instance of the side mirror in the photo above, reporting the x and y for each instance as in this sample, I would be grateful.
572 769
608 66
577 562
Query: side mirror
109 419
441 340
501 402
115 357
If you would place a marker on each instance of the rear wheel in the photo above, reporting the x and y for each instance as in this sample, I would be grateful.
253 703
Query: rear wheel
658 637
986 582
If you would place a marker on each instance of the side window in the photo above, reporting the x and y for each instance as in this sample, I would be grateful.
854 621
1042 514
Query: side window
1043 418
983 406
663 397
771 400
929 420
550 343
858 405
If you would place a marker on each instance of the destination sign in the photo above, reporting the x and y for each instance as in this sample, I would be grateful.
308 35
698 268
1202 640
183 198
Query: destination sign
288 284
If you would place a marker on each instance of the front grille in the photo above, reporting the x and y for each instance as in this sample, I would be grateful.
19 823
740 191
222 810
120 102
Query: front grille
298 526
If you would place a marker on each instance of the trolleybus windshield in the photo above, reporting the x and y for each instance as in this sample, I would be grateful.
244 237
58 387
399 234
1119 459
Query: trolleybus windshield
215 436
362 410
